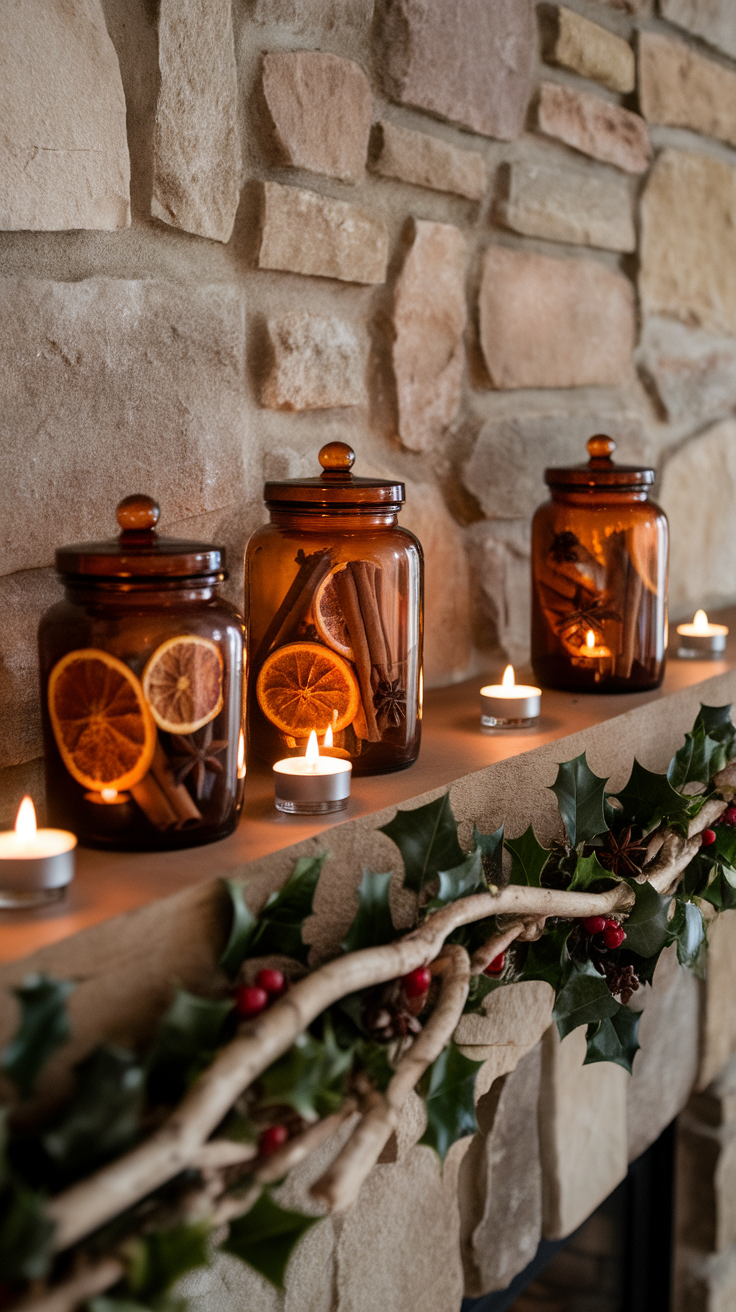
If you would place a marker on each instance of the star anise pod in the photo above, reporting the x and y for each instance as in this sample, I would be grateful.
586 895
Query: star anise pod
390 702
622 853
564 547
198 756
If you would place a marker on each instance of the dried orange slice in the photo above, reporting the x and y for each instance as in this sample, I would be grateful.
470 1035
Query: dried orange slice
329 619
182 683
100 720
305 686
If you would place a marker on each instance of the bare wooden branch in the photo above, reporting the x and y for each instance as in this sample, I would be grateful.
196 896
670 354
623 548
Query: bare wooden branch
84 1284
707 816
493 947
297 1149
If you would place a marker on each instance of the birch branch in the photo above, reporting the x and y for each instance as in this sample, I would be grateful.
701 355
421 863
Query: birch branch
84 1284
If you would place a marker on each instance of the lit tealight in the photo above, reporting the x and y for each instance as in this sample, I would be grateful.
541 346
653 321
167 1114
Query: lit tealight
241 755
701 640
312 784
35 864
508 704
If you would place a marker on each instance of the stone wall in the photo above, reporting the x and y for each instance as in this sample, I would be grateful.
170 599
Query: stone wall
461 234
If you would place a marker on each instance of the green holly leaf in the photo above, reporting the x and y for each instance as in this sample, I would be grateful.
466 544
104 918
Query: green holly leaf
26 1235
310 1077
266 1237
615 1038
689 929
647 928
716 720
461 881
279 928
159 1258
372 925
648 795
102 1120
588 871
44 1026
699 758
188 1037
242 929
548 957
373 1058
491 851
580 795
427 840
528 858
584 998
448 1088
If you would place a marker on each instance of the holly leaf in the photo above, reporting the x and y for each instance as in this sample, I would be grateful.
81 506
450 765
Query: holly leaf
26 1235
44 1026
580 795
647 928
699 758
187 1039
159 1258
279 928
648 795
266 1237
448 1088
102 1120
528 858
310 1077
427 840
461 881
615 1038
716 720
242 929
372 925
687 924
548 957
584 998
588 871
491 852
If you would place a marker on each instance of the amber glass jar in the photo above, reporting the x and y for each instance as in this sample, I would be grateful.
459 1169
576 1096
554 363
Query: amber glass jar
333 592
142 691
599 578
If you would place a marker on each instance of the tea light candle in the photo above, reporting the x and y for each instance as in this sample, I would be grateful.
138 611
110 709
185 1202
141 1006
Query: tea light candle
35 864
509 705
598 653
701 640
311 784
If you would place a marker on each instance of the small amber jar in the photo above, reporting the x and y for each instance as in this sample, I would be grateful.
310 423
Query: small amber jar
599 578
142 691
333 592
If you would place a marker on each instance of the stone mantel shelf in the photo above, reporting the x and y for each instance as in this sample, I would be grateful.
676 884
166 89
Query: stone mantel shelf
110 884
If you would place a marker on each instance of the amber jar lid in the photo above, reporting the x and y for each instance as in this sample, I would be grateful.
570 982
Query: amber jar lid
337 488
139 552
600 471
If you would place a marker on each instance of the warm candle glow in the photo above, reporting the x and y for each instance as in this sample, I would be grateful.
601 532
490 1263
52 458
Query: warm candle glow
108 794
508 679
241 755
312 752
329 741
590 638
25 824
700 622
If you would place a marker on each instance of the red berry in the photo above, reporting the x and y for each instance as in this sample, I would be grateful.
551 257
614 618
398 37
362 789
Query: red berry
250 1001
272 1139
729 817
707 837
270 980
417 982
613 938
496 966
612 924
595 924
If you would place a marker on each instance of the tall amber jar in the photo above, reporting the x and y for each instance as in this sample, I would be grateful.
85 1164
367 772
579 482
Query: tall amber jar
333 592
599 578
142 691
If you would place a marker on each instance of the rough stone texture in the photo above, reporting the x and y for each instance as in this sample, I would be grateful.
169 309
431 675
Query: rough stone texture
429 320
500 574
83 424
588 209
321 108
316 363
706 1185
447 632
713 20
469 61
697 492
692 373
554 323
303 232
428 161
704 1284
587 48
594 127
63 149
514 1017
196 148
23 599
688 241
666 1065
719 1019
681 89
582 1118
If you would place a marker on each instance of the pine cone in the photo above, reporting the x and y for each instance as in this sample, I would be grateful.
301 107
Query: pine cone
622 981
386 1014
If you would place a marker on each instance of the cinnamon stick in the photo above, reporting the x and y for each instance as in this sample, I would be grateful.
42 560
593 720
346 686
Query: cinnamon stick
312 570
348 597
378 586
154 803
176 794
364 573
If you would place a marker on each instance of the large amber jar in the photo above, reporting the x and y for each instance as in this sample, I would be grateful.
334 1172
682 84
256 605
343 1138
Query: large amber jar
142 691
333 592
599 578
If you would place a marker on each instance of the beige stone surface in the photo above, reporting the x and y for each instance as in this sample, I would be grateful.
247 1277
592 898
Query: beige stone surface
594 126
63 148
547 322
692 372
688 241
447 636
588 209
513 1017
23 599
315 363
706 1186
499 554
697 491
429 319
196 148
84 424
464 60
428 161
666 1065
573 42
582 1119
320 106
681 89
303 232
719 1016
713 20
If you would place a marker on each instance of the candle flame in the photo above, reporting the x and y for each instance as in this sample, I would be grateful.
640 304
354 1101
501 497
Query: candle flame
25 824
241 755
590 638
108 794
329 742
700 622
508 680
312 752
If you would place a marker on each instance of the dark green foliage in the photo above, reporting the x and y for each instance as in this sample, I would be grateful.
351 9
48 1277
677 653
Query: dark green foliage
699 758
548 958
461 881
427 840
614 1038
44 1026
242 929
716 720
588 871
448 1088
580 795
25 1234
310 1077
583 999
689 930
649 797
647 927
187 1039
158 1259
528 858
372 925
266 1237
279 929
491 851
103 1118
